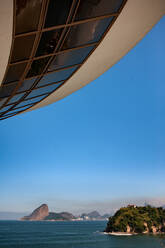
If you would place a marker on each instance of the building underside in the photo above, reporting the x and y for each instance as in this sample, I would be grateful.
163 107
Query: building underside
51 48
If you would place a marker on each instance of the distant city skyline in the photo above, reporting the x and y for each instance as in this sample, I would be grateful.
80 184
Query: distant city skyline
101 145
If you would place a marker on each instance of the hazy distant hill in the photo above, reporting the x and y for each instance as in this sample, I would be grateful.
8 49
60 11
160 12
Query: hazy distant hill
106 216
94 215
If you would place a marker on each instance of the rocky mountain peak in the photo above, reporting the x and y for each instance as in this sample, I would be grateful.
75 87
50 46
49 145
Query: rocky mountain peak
39 213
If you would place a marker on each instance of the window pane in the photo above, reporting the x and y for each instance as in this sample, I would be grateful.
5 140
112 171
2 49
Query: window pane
23 108
15 98
56 76
37 67
22 48
88 9
15 72
44 90
27 15
14 109
8 114
12 112
70 58
86 33
26 85
5 108
7 89
48 42
29 101
58 12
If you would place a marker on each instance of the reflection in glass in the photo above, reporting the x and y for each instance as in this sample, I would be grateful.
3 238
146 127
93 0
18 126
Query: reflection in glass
88 9
23 108
70 58
7 90
14 73
27 15
8 114
38 66
44 90
30 101
5 108
86 33
14 111
22 47
58 12
26 85
56 76
48 42
16 98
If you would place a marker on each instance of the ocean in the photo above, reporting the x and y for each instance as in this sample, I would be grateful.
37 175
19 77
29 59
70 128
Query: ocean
87 234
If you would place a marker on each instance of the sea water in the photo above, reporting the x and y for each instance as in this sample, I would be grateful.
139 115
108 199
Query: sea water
78 234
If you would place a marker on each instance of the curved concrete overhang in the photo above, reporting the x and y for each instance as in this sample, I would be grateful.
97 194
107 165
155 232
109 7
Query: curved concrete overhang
6 26
135 20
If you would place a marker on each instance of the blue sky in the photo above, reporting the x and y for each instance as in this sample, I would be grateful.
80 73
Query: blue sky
100 145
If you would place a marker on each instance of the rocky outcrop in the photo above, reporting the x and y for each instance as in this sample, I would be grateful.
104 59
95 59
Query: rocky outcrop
128 229
38 214
154 229
133 219
42 213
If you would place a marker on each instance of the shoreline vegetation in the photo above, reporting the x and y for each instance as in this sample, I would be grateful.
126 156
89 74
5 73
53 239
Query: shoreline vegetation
133 220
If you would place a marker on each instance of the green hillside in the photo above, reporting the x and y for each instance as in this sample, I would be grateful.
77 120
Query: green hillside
59 216
135 219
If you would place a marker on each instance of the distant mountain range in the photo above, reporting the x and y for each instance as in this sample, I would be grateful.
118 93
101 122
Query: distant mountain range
42 213
94 215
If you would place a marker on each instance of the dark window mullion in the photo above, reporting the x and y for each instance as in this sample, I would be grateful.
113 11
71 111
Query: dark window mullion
26 69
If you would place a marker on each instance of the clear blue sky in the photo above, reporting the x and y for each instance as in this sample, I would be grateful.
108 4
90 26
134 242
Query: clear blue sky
103 143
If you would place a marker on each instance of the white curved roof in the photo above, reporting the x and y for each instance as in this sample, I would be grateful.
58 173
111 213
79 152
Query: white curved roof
134 22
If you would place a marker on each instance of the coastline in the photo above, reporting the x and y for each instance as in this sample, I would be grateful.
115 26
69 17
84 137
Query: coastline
60 220
121 233
131 234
